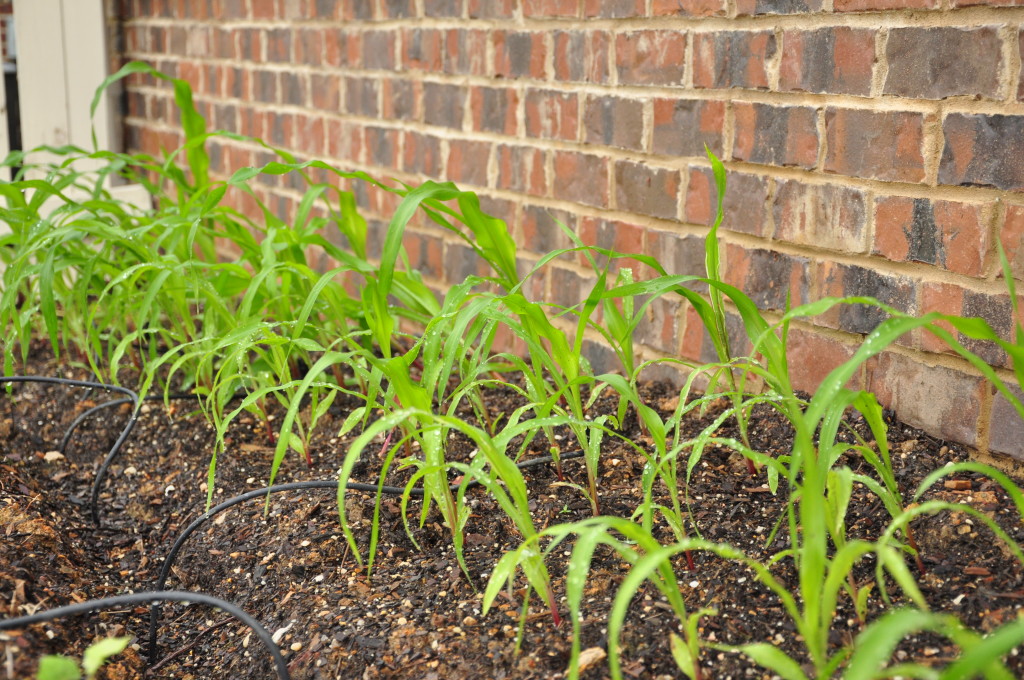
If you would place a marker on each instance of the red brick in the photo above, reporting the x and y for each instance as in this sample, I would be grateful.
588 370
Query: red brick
521 168
813 356
776 135
884 145
519 54
1011 235
682 127
614 121
425 252
983 150
746 200
875 5
467 162
660 328
582 178
613 9
362 97
539 227
944 298
345 141
356 9
697 8
828 216
581 56
834 60
679 254
645 190
650 57
551 114
399 98
279 45
466 52
947 234
443 105
422 154
940 62
494 109
622 237
767 277
422 49
550 8
732 59
939 400
382 146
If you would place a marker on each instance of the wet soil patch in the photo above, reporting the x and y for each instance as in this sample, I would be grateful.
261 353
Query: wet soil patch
417 616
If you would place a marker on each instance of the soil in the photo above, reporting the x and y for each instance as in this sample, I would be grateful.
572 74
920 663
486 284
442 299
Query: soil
417 616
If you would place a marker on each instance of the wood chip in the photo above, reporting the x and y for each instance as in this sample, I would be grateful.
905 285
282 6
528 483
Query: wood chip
958 484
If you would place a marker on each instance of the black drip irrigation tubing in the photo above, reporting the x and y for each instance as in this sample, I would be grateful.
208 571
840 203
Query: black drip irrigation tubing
165 569
102 472
159 595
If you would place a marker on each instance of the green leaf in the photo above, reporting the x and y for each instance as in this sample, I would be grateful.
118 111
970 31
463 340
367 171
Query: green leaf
774 659
58 668
98 653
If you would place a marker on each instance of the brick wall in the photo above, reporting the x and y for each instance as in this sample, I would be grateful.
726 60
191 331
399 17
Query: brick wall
874 147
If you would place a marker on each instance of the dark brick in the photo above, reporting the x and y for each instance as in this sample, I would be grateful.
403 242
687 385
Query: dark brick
441 8
379 50
835 60
422 154
679 254
461 262
279 45
754 7
519 54
940 62
767 277
842 280
551 114
698 8
1006 431
423 49
650 57
382 145
264 86
466 52
983 150
326 9
947 234
745 204
250 44
521 168
622 237
293 88
357 9
400 99
540 228
581 56
646 191
425 252
494 109
582 178
827 216
490 9
776 135
614 121
398 9
732 59
566 288
443 105
682 127
361 97
998 312
601 357
885 145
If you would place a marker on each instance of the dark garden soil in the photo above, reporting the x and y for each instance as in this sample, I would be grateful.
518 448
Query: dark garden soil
417 616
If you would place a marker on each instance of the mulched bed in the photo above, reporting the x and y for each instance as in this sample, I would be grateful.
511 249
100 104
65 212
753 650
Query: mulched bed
417 616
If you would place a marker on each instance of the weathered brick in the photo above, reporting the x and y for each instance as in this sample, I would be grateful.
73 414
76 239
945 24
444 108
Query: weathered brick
841 280
755 7
732 59
679 254
345 141
323 9
834 60
650 57
550 8
466 52
614 121
940 62
768 277
941 401
399 9
601 357
279 45
539 226
379 50
443 105
682 127
263 9
984 150
461 262
613 9
421 154
519 54
581 56
877 5
580 177
659 329
622 237
566 287
551 114
697 8
745 204
885 145
645 190
944 298
356 9
399 98
425 253
362 97
264 86
467 162
812 356
494 109
293 88
521 168
830 216
491 9
422 49
947 234
1006 427
1011 235
382 144
776 135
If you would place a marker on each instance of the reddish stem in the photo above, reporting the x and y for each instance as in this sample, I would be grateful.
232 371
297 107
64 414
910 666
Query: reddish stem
689 561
